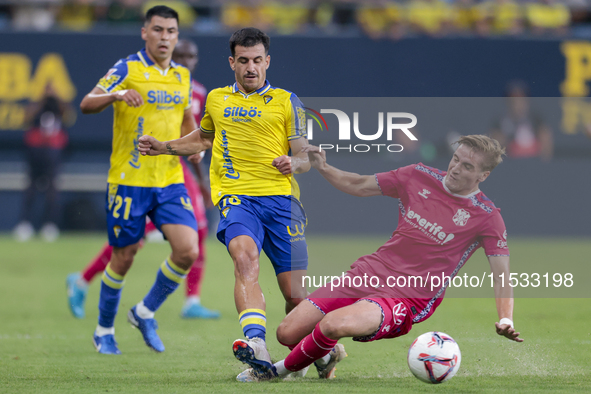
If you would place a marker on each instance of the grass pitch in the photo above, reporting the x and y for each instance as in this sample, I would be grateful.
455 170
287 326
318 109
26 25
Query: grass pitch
44 349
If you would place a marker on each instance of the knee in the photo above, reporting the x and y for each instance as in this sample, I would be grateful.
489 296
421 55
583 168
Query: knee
122 259
333 326
126 254
193 254
287 336
187 256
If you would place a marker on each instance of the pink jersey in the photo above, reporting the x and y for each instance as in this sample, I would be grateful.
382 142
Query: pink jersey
437 233
198 100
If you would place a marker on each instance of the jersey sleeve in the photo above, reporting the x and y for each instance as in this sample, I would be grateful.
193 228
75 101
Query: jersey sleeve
392 183
494 236
207 125
295 120
114 79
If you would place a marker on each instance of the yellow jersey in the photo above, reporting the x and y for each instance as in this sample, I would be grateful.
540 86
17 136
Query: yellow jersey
250 131
166 95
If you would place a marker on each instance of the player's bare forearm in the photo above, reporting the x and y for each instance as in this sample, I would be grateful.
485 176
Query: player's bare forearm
504 300
300 163
348 182
97 100
93 103
188 145
501 271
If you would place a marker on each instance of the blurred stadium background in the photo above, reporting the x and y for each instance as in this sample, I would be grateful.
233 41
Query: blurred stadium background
420 49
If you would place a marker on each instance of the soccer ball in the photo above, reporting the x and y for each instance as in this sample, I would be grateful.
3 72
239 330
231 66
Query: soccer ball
434 357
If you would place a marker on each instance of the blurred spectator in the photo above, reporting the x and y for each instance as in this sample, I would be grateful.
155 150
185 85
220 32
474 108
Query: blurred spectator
344 15
506 16
375 18
38 16
77 15
522 132
578 10
381 18
255 13
469 17
44 141
290 16
125 11
187 15
321 15
431 17
548 16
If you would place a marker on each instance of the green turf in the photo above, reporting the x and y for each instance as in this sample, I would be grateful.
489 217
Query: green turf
44 349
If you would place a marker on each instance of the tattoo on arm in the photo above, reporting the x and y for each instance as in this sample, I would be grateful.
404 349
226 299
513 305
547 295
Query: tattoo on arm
170 150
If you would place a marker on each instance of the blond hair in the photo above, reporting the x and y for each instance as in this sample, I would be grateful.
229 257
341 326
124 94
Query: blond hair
490 148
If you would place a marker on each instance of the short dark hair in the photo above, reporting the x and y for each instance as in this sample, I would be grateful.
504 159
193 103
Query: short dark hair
249 37
163 11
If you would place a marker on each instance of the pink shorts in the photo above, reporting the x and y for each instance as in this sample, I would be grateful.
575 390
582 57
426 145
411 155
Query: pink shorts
396 317
396 312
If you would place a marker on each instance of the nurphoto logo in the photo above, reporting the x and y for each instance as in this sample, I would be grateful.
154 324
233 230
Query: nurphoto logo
391 119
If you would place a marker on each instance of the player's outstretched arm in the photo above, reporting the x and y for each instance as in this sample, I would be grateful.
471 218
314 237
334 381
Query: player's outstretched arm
97 100
503 297
193 143
348 182
298 163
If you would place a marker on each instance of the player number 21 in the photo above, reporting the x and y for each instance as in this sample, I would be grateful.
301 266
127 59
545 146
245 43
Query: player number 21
118 202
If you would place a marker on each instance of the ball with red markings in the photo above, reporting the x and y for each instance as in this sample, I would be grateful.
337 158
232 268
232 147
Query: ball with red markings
434 357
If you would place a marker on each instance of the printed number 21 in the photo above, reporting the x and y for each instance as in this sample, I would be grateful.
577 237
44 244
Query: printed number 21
118 203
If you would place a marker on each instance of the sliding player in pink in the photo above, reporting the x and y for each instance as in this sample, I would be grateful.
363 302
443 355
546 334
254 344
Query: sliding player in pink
443 219
185 53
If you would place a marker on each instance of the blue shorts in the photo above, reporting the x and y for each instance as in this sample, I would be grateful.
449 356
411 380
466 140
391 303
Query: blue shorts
275 223
127 207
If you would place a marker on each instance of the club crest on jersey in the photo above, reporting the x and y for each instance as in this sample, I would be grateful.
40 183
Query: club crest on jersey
225 211
267 99
461 217
424 193
109 80
117 231
147 75
178 76
226 97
